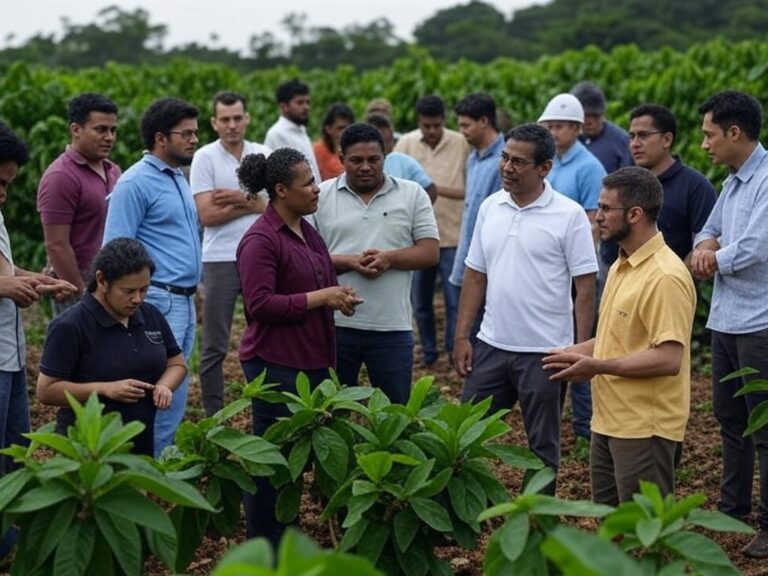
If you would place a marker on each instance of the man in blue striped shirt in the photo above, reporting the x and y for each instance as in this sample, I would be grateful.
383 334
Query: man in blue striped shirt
732 248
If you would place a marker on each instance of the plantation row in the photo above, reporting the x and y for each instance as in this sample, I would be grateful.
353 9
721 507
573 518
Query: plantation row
33 100
394 481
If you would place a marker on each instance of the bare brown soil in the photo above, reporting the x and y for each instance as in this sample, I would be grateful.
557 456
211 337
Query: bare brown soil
699 469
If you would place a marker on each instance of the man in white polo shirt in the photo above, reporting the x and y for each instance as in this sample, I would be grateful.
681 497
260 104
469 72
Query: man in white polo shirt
378 230
528 245
226 215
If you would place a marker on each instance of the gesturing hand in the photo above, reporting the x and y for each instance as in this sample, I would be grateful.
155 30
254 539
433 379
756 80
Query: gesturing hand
129 390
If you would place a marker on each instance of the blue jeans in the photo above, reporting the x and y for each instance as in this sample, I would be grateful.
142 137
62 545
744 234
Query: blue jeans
260 518
179 312
388 357
14 413
422 294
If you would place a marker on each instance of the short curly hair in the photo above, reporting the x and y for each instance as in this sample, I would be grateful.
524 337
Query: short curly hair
12 147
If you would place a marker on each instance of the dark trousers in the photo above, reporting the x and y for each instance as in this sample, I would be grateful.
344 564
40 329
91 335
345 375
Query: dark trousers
422 296
220 292
616 466
731 352
388 357
260 506
511 377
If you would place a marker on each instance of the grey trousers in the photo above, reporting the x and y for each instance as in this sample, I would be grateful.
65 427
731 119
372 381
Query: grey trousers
511 377
220 291
616 466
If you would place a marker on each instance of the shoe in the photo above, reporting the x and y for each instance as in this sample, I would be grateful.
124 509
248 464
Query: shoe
758 547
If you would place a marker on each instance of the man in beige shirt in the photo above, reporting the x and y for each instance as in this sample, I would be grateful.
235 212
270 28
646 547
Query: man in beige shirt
443 154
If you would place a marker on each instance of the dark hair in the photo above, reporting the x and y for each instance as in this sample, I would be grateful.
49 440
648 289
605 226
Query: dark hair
732 108
637 187
544 144
336 111
430 105
162 115
360 132
476 106
288 90
228 98
257 172
379 121
12 147
591 97
80 107
663 119
118 258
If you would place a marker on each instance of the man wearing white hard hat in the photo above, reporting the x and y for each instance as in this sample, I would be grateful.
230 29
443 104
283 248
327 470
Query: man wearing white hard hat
578 174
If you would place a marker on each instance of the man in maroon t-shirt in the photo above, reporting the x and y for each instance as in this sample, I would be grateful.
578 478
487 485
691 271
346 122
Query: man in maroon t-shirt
72 194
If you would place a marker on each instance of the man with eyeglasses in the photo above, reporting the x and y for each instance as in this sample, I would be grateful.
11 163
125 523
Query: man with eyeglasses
688 194
732 248
71 197
530 243
640 359
153 203
226 214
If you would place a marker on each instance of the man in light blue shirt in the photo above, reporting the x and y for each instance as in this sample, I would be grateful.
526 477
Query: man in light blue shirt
732 248
152 202
477 123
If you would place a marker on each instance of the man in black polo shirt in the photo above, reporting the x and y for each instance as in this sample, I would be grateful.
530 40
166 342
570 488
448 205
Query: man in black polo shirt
688 195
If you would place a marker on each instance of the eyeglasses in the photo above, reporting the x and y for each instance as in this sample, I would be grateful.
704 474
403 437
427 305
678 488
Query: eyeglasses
517 163
643 136
606 208
186 134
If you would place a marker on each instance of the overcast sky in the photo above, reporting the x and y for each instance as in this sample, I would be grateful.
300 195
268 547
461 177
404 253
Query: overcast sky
233 21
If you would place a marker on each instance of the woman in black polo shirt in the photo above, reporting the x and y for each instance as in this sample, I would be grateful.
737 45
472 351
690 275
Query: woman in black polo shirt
114 344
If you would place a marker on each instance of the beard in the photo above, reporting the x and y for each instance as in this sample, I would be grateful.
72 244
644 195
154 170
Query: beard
619 234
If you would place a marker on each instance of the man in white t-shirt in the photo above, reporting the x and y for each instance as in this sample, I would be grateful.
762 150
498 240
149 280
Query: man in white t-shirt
528 245
290 130
226 214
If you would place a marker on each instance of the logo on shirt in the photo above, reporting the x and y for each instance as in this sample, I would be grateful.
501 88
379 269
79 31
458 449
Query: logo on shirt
154 336
622 314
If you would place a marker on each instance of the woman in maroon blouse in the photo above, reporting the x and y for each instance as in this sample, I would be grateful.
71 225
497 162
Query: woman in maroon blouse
290 292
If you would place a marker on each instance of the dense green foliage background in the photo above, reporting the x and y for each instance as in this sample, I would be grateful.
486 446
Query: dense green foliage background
33 99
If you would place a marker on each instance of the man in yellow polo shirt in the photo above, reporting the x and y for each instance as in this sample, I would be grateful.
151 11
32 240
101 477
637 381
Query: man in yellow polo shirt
640 360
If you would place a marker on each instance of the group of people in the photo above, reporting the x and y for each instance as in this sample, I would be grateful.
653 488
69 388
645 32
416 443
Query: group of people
337 246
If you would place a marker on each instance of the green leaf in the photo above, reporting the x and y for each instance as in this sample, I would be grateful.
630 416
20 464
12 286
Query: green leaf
190 525
515 456
297 459
376 465
513 535
698 548
352 536
289 502
719 522
232 409
41 497
648 531
53 523
73 554
109 443
419 392
414 561
353 394
248 447
406 524
246 559
303 388
540 480
13 483
168 489
436 485
751 387
390 428
56 467
57 442
543 505
357 506
123 538
498 510
746 371
360 487
125 503
432 513
418 477
576 552
373 541
229 470
332 452
758 418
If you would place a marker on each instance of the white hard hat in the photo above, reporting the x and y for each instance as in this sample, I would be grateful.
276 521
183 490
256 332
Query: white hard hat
564 107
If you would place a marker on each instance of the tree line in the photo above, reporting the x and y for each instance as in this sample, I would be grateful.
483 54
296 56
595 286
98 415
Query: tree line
475 31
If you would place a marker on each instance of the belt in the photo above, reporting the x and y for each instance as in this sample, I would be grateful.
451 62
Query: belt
175 289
